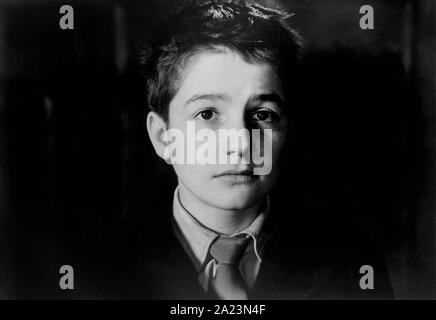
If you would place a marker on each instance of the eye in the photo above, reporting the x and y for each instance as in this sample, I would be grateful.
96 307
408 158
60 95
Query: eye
206 114
264 115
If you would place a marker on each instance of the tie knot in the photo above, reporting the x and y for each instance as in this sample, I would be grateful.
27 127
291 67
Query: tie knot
229 250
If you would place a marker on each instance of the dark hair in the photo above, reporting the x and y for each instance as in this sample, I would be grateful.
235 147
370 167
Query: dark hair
257 33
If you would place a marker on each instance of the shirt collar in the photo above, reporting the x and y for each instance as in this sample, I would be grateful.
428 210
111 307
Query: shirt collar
196 238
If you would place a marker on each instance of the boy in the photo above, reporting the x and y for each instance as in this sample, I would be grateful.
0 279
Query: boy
230 67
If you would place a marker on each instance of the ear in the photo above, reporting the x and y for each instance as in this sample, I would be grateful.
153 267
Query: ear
156 128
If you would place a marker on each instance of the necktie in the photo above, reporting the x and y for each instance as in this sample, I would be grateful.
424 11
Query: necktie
228 282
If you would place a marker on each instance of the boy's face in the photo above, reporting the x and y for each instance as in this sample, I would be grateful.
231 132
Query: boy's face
222 91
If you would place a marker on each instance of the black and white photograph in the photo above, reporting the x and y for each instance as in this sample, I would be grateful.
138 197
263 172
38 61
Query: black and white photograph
217 150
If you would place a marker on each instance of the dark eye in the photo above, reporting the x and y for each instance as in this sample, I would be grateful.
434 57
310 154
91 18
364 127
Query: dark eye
263 115
206 114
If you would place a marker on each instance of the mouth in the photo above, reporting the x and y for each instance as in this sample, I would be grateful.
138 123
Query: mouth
237 176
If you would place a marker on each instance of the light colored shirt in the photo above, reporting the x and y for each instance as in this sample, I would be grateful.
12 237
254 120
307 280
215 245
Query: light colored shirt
196 239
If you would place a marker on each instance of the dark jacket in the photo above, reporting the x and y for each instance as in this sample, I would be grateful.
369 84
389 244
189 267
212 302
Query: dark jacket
309 254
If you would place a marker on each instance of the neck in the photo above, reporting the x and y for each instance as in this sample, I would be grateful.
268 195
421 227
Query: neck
216 219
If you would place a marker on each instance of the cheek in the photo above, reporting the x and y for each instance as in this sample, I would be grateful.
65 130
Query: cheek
193 172
277 143
278 140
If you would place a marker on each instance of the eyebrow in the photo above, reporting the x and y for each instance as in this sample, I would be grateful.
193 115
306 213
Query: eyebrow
206 97
270 97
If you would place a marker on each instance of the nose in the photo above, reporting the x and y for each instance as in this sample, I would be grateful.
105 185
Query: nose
237 141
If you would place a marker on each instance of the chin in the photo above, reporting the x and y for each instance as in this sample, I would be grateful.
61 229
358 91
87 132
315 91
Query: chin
235 201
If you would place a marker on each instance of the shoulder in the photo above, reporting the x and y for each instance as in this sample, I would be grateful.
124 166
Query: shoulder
151 263
329 252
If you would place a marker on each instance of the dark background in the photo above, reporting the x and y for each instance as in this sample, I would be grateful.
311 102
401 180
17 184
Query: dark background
76 165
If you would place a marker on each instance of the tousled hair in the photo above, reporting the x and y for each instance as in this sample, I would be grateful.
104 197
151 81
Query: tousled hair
258 34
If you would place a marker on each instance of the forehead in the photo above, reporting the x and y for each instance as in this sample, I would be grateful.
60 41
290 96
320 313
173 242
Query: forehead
225 73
